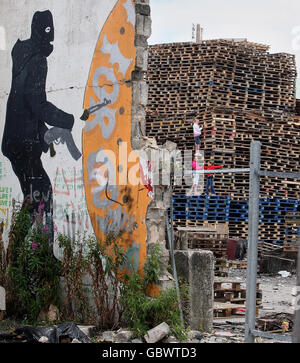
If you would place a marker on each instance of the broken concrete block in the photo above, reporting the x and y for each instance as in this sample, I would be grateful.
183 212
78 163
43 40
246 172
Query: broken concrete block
108 336
158 333
136 341
143 25
53 314
123 336
170 146
195 267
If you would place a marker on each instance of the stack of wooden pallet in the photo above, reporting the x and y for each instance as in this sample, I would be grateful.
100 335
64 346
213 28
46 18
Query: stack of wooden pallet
241 93
292 235
236 264
217 243
230 299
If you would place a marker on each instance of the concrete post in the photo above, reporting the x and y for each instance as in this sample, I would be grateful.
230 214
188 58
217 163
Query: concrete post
252 241
196 269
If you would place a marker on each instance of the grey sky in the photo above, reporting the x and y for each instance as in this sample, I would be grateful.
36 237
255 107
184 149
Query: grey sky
272 22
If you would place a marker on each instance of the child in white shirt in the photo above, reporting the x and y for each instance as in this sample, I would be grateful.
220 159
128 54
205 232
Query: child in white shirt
197 134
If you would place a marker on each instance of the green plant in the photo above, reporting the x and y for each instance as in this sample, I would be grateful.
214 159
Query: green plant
33 271
2 258
102 262
73 269
105 262
142 312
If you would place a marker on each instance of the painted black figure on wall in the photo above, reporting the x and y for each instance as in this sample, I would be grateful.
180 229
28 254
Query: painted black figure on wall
28 112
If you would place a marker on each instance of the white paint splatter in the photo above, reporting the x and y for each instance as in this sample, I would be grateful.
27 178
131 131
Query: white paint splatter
130 12
115 55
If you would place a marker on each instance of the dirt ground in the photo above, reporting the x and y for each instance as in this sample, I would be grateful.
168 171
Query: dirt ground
278 296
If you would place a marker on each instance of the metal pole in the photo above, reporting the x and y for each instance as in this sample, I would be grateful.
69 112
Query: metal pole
252 241
296 329
171 242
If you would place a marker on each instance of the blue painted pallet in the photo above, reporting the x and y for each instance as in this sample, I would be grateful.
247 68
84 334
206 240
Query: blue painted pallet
196 210
209 209
238 214
238 220
209 214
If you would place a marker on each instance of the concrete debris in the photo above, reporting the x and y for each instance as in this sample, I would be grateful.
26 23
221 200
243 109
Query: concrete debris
53 314
171 339
123 336
224 334
108 336
50 315
136 341
158 333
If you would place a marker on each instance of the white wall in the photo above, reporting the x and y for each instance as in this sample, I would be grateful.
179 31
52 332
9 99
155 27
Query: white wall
77 27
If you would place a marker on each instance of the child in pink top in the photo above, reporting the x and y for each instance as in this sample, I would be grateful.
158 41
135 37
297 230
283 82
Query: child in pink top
196 167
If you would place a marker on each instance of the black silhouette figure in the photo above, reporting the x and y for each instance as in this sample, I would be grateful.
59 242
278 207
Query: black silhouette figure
28 112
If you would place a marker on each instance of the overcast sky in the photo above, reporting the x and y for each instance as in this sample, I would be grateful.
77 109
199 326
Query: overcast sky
272 22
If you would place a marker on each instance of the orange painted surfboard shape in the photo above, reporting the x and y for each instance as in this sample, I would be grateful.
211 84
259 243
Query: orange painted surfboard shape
116 198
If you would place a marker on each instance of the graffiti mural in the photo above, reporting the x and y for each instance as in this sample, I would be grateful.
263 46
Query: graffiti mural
28 112
66 116
114 205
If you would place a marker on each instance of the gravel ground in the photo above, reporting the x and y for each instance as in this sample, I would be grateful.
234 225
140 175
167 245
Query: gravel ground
278 297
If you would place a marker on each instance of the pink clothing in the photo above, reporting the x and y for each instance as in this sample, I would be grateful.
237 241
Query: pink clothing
196 166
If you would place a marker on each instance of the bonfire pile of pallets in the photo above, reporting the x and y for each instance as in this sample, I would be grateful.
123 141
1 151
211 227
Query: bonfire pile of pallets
240 92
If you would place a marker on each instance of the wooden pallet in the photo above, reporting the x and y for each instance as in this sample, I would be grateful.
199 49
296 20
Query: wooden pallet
237 265
240 92
227 310
235 297
234 285
234 293
290 248
220 271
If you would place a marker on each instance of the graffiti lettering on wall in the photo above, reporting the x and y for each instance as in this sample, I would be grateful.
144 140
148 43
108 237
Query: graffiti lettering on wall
5 204
28 112
2 171
69 204
113 207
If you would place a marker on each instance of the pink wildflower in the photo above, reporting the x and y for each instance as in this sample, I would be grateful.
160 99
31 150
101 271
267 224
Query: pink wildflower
34 246
41 207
